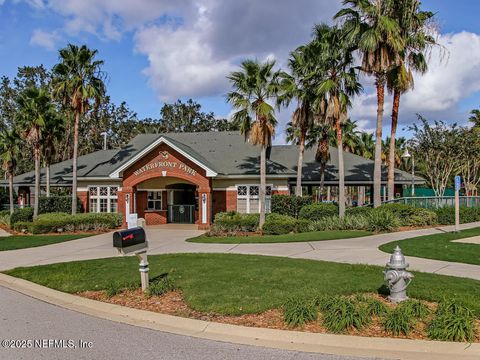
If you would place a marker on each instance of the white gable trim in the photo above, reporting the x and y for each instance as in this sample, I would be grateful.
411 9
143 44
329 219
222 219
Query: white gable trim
116 173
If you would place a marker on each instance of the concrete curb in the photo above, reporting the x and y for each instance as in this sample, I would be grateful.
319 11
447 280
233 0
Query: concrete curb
282 339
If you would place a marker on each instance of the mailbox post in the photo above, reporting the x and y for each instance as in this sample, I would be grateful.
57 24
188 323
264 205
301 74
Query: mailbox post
134 241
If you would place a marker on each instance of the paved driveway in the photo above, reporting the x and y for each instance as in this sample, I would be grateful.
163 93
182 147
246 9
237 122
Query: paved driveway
164 240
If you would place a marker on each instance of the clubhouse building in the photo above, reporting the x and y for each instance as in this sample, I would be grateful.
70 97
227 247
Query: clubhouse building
189 177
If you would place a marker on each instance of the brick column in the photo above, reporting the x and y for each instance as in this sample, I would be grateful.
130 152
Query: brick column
83 197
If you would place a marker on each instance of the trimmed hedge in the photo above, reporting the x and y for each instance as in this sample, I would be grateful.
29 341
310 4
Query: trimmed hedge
277 224
57 204
233 222
21 215
359 210
409 215
289 204
60 222
318 211
446 215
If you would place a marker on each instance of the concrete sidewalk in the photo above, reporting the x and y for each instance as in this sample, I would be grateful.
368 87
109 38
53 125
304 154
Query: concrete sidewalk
166 240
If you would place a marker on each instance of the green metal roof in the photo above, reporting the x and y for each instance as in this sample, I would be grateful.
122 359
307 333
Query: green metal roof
227 153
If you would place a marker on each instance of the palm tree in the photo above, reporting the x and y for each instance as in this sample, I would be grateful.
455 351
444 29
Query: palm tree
299 86
34 104
415 33
53 131
369 24
255 85
9 150
351 136
335 88
78 82
367 146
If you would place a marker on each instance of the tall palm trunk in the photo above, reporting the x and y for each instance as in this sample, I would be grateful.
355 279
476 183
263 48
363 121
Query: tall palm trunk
323 165
10 190
75 154
341 171
47 174
301 151
377 172
37 180
263 175
391 154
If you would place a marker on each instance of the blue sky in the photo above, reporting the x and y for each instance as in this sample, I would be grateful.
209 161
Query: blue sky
161 50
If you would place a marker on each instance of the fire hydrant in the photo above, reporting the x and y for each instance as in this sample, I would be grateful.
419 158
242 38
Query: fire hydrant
397 277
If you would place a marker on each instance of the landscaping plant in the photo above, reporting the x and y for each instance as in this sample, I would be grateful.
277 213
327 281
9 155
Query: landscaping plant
25 214
399 321
277 224
381 220
160 286
113 288
297 311
289 204
344 314
452 322
318 211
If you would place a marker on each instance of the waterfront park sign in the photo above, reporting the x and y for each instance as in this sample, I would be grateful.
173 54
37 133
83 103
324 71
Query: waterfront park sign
166 165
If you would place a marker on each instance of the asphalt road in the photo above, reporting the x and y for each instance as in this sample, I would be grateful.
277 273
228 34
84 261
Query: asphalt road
25 318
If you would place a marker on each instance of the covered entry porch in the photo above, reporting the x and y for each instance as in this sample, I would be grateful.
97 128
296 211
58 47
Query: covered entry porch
168 200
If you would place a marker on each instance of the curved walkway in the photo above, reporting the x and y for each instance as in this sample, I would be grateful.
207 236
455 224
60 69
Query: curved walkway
362 250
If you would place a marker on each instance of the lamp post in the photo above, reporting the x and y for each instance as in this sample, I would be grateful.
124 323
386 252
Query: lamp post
407 155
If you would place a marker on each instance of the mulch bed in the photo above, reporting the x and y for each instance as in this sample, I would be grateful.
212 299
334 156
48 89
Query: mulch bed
172 303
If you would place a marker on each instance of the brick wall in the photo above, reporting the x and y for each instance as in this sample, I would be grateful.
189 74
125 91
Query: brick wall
83 197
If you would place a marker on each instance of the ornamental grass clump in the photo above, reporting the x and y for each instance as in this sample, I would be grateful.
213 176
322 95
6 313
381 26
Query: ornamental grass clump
160 286
399 321
452 322
113 288
297 311
382 220
416 308
345 314
376 307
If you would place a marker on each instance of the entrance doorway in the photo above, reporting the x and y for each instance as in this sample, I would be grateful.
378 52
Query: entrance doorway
181 201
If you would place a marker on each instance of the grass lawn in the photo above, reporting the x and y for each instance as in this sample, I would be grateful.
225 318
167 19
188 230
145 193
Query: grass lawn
238 284
440 247
15 242
302 237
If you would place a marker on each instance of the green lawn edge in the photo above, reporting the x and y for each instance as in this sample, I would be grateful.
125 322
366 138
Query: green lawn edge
16 242
440 247
234 284
263 239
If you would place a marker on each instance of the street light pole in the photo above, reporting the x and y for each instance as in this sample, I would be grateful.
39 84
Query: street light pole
413 175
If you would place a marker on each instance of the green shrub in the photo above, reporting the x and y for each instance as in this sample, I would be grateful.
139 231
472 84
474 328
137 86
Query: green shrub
161 286
452 322
303 225
5 217
349 222
57 204
25 214
446 215
276 224
50 223
359 210
113 288
233 222
399 321
344 314
409 215
381 220
318 211
298 311
376 307
289 204
22 226
416 308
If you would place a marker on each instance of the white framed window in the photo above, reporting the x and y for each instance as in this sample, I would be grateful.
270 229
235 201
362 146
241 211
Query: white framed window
248 198
103 198
154 200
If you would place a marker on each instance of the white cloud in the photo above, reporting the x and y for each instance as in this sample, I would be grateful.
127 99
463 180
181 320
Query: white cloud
45 39
181 61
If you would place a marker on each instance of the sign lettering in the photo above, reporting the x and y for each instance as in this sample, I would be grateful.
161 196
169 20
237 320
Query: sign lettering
166 164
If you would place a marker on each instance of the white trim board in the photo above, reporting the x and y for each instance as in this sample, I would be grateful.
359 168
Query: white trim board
153 145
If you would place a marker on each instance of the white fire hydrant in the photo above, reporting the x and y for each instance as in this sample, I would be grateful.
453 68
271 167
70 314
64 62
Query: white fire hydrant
397 277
